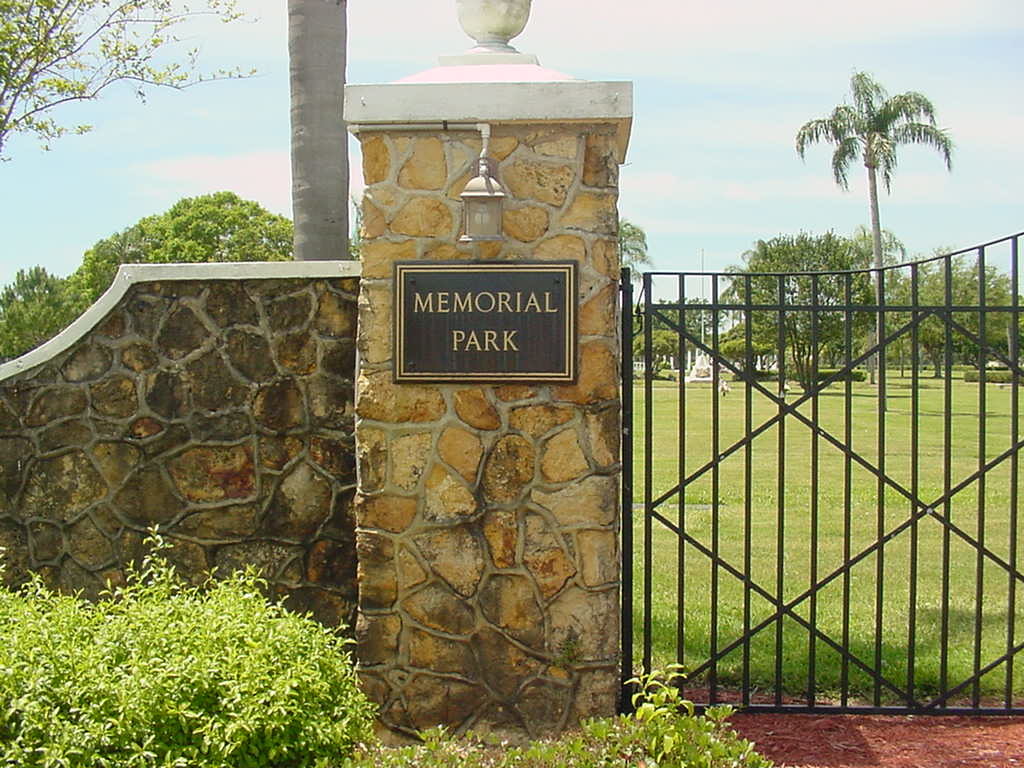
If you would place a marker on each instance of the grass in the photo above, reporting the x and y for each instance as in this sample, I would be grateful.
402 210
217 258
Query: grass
799 539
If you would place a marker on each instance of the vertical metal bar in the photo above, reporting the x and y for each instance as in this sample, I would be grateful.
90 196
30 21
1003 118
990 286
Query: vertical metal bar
626 457
780 566
844 672
715 424
915 481
648 470
880 487
979 579
1015 319
947 480
681 509
748 471
813 576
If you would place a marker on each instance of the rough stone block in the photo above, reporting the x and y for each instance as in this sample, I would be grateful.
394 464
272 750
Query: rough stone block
504 666
525 224
447 499
376 160
462 450
455 555
473 407
591 501
214 473
424 217
408 455
181 334
501 530
600 168
377 638
439 654
599 557
545 557
390 513
62 487
563 458
437 607
545 182
586 621
598 376
381 399
301 504
592 212
88 362
561 248
509 469
426 167
508 601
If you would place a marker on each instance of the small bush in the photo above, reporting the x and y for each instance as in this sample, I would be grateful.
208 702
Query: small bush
996 376
758 376
663 732
850 375
160 674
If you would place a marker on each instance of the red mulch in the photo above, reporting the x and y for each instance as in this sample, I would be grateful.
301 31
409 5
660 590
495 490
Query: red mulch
884 741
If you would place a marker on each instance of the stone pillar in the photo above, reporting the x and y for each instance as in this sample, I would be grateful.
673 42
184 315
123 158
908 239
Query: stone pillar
487 515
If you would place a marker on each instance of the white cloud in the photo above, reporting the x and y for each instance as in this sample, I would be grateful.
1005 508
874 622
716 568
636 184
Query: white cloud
261 176
662 187
650 35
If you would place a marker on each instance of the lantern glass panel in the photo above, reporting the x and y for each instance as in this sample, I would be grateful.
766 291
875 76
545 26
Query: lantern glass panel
483 217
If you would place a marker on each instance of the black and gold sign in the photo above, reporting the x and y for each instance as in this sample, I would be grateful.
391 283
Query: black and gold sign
502 321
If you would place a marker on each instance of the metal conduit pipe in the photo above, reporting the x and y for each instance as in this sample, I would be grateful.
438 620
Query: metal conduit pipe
442 126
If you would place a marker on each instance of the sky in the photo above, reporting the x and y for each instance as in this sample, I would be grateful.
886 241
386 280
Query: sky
720 90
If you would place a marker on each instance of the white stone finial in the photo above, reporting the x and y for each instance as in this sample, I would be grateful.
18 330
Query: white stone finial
492 23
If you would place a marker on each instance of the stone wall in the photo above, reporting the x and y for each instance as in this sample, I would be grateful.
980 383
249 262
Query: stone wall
488 515
220 411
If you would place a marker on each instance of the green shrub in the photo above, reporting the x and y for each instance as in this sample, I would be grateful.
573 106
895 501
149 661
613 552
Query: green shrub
850 375
758 376
664 732
997 376
160 674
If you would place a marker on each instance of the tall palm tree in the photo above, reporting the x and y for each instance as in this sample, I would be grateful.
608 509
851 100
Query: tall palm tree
870 130
316 51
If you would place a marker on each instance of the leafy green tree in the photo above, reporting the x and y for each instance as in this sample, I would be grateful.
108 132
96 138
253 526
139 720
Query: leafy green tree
800 253
664 346
319 145
633 248
55 52
32 309
964 287
217 227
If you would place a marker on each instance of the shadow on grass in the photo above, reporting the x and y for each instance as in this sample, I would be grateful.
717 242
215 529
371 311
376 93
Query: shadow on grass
794 680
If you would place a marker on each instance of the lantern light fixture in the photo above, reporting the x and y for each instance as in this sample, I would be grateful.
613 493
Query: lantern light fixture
482 199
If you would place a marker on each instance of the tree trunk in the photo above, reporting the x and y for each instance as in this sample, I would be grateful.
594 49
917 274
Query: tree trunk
316 51
876 246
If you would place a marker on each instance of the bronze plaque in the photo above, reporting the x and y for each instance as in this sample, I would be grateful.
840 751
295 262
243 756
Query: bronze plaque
501 321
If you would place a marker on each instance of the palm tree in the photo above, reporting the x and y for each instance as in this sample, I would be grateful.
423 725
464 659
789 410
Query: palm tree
633 249
316 51
870 130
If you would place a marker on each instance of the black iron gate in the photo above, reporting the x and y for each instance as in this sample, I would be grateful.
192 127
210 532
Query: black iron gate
827 485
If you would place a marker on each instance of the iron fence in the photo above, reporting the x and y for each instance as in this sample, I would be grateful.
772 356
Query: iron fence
827 505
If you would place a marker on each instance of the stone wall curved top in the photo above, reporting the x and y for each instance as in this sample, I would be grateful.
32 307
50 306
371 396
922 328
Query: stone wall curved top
131 274
212 402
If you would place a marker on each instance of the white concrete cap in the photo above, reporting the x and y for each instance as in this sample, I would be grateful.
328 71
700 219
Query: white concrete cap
486 99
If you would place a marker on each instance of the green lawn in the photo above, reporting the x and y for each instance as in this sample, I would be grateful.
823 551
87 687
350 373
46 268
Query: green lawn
792 521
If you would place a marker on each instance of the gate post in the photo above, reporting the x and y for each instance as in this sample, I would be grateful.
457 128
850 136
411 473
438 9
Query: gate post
488 513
